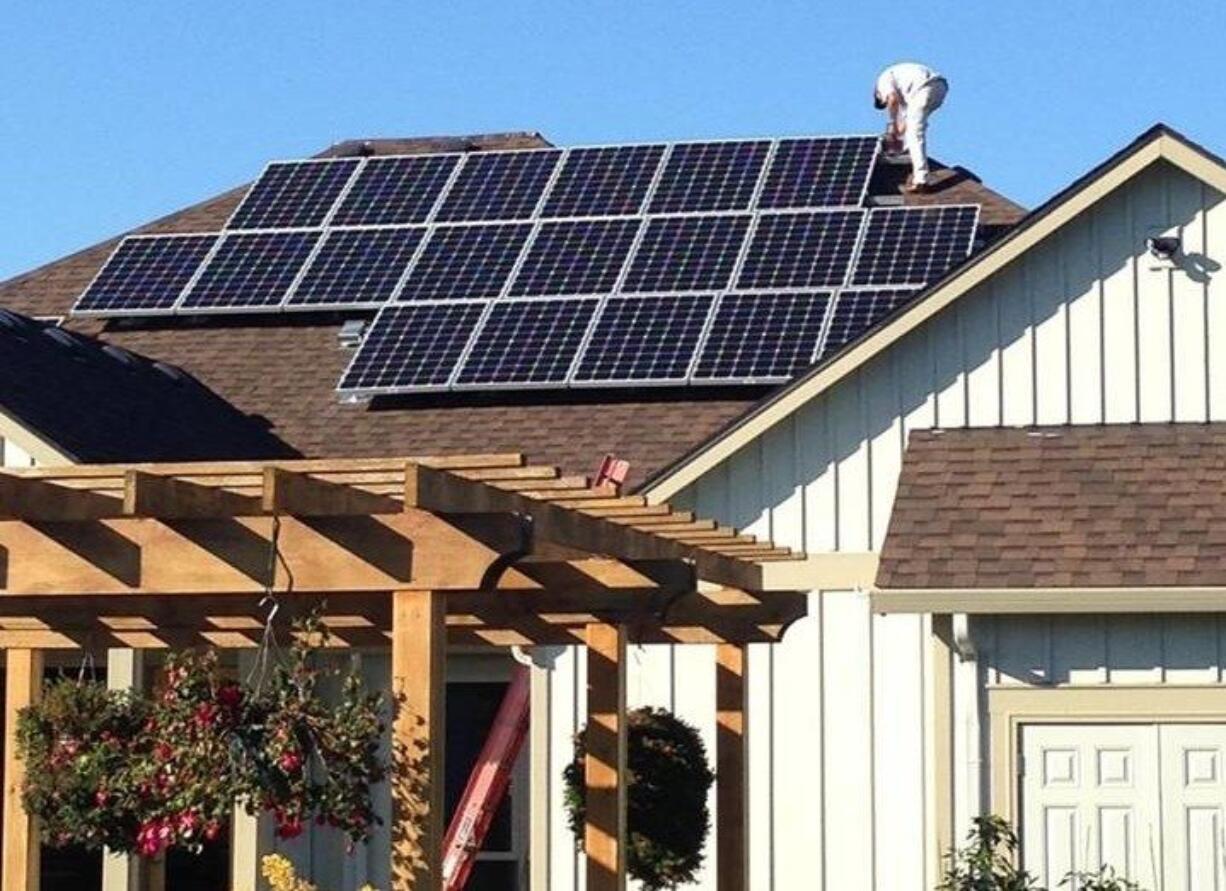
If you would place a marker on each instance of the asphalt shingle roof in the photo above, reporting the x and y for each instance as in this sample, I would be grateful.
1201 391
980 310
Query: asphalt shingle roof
1105 506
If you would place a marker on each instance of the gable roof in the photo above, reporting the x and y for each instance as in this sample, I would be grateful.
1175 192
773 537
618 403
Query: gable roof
1159 143
285 368
96 402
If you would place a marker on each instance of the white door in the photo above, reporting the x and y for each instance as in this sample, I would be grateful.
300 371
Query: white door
1148 799
1193 802
1089 796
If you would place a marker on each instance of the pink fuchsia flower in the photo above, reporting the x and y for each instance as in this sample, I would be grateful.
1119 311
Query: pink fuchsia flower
290 762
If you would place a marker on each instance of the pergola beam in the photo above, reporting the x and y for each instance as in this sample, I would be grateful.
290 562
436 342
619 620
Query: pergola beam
298 494
157 495
35 499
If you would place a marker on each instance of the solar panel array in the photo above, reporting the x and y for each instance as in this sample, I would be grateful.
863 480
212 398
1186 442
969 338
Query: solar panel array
737 261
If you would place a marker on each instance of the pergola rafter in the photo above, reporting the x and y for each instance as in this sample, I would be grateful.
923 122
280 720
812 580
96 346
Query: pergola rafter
409 553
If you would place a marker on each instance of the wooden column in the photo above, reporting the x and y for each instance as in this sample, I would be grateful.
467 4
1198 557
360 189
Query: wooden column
251 835
23 684
419 649
731 768
124 671
604 839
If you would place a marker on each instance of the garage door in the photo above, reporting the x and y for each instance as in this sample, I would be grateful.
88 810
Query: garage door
1149 799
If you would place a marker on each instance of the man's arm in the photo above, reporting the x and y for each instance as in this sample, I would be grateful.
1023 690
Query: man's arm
893 106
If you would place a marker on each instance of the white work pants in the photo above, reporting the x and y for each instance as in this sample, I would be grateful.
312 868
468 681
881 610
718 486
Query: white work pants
920 105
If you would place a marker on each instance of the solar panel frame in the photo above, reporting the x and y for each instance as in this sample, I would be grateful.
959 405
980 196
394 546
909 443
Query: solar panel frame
663 273
518 210
622 235
433 191
233 221
741 196
796 260
549 210
894 298
445 275
700 377
555 380
702 303
185 306
887 213
293 303
766 201
473 313
144 311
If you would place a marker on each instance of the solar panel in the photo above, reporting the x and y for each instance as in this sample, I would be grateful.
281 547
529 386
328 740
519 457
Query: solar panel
855 312
293 194
528 342
355 266
703 176
914 245
801 250
498 186
825 172
576 257
251 270
146 273
466 262
413 345
395 190
687 254
762 337
603 181
644 339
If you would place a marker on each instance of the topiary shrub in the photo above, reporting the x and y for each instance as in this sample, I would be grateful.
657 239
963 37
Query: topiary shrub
667 818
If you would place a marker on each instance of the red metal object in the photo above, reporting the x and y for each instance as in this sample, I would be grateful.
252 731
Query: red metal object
612 470
487 784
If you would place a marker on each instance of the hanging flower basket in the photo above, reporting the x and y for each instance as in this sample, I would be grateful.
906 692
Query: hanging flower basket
667 818
145 774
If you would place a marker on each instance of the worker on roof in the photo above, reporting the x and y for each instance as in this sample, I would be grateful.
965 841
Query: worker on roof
910 93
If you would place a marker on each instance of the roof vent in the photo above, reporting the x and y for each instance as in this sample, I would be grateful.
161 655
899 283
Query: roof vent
350 335
176 374
120 355
63 338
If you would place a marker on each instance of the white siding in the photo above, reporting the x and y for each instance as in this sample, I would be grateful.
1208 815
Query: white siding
1081 330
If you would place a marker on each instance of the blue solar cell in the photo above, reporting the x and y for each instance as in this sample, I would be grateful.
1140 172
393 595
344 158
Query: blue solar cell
645 338
856 312
411 346
251 270
293 194
528 342
762 337
687 254
356 266
603 181
575 257
395 190
466 262
498 186
703 176
146 273
801 250
823 172
914 245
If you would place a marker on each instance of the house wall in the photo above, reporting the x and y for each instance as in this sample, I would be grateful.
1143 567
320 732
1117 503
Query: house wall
1080 330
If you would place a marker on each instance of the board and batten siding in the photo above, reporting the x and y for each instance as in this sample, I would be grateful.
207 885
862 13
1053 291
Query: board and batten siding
1080 330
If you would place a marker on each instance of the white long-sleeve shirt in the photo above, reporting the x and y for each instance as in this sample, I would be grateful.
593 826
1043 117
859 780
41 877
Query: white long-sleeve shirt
905 78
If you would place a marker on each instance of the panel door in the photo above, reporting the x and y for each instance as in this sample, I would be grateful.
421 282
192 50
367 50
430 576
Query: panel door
1193 806
1090 796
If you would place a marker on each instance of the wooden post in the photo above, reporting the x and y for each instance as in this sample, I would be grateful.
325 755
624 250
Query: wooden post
731 768
604 838
251 835
23 684
124 671
419 669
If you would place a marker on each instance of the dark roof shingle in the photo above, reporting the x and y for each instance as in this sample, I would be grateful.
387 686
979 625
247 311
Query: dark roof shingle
1071 507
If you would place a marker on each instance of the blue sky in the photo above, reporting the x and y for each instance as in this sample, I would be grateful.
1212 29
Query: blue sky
114 113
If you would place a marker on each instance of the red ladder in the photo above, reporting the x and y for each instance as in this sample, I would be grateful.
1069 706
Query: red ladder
487 784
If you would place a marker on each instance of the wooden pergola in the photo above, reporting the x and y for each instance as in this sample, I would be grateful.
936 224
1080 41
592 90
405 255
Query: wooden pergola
413 553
